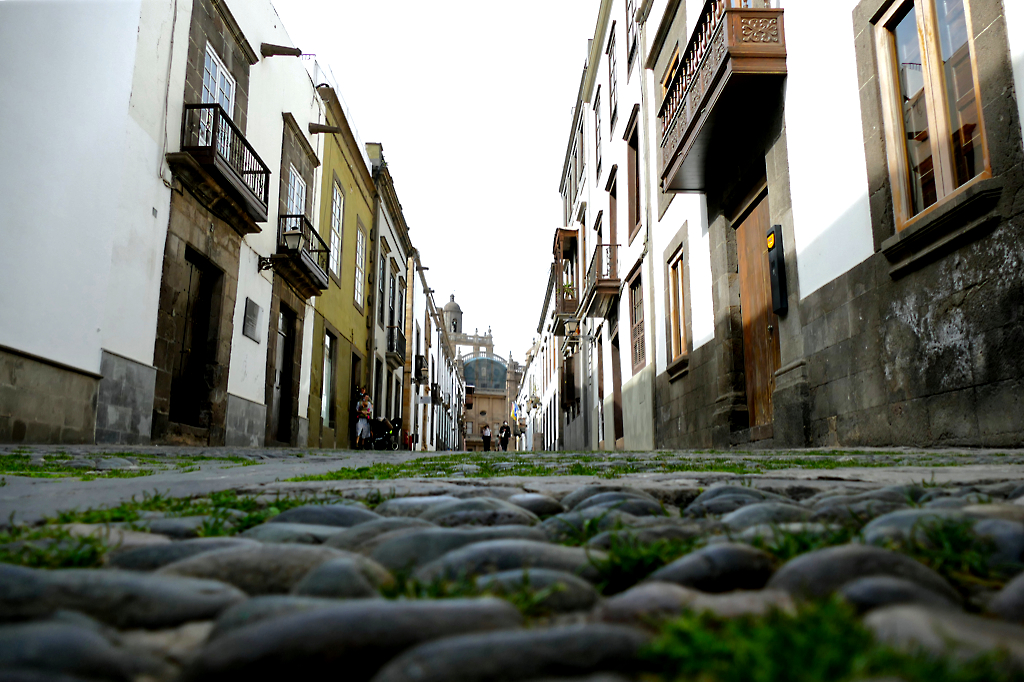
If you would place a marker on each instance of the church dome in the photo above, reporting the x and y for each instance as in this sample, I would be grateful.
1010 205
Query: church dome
451 306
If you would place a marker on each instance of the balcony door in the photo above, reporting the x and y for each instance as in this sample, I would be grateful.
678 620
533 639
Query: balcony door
218 88
295 202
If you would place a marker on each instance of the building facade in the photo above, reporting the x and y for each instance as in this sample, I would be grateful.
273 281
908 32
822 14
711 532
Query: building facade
772 298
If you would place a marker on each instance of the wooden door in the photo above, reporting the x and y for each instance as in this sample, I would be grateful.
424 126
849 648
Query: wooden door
761 355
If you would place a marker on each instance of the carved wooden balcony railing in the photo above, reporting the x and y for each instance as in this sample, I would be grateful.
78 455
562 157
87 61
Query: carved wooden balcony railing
221 168
602 280
738 49
302 256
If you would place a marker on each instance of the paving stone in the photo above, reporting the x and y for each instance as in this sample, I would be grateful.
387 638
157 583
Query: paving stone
541 505
178 527
344 578
343 515
625 503
263 607
114 536
265 569
494 556
820 573
877 591
1008 603
498 492
412 506
576 496
945 633
765 513
723 504
124 599
176 647
357 637
567 591
479 511
646 536
112 463
571 524
719 568
300 533
520 654
857 512
62 649
151 557
912 525
947 503
356 538
650 602
770 531
421 546
743 491
1006 512
898 494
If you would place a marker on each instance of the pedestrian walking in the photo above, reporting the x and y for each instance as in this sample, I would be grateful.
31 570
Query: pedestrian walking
364 411
486 433
504 433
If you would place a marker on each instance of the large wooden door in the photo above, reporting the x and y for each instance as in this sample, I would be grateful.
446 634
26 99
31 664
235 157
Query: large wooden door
761 355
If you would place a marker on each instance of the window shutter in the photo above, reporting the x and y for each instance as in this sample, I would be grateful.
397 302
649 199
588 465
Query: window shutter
252 320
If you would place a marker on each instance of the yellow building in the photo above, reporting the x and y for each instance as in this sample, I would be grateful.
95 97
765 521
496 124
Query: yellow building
339 363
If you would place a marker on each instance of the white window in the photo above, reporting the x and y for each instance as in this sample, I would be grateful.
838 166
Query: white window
360 266
337 212
296 199
218 85
327 392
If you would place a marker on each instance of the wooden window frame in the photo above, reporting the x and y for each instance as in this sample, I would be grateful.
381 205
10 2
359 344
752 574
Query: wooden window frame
613 90
637 340
597 134
676 271
632 139
940 134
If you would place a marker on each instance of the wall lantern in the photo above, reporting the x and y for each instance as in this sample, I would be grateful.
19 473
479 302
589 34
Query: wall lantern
572 327
292 239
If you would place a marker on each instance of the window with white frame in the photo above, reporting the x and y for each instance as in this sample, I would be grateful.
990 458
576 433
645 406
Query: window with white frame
218 84
360 268
328 409
337 213
296 199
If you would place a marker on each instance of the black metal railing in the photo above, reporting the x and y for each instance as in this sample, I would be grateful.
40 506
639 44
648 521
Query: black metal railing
296 235
396 342
603 264
208 128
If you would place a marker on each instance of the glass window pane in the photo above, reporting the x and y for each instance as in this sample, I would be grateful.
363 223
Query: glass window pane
910 84
961 97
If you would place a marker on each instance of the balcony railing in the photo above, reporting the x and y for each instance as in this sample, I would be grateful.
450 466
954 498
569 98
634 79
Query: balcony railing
209 135
602 280
302 256
396 345
732 37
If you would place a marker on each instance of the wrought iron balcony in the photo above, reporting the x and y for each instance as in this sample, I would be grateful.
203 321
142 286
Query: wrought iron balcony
302 256
735 58
602 281
220 166
396 348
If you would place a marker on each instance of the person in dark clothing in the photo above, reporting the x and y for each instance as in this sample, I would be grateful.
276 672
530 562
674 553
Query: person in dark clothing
504 433
485 433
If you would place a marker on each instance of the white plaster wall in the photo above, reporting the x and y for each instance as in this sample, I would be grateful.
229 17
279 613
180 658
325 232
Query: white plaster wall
828 171
64 92
276 85
1014 12
140 227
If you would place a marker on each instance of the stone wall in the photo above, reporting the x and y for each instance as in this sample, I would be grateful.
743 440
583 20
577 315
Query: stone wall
43 403
686 405
245 425
638 410
124 409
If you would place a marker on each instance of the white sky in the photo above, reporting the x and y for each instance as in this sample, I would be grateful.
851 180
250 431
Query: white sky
472 100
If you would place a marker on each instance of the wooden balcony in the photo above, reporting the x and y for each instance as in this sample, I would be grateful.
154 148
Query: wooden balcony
602 281
733 66
567 293
302 256
395 355
221 168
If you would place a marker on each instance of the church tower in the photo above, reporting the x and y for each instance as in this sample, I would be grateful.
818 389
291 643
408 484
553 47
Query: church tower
453 316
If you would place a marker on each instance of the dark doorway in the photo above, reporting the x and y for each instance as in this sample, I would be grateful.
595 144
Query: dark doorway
761 352
357 378
620 432
378 399
195 334
284 368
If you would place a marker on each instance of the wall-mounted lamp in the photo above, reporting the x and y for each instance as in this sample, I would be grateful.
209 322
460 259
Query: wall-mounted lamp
292 239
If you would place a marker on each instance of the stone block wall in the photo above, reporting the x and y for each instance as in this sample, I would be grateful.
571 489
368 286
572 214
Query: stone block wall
44 403
686 406
124 410
245 425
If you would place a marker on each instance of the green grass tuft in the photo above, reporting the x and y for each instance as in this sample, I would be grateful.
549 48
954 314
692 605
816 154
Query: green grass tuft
629 561
822 643
50 547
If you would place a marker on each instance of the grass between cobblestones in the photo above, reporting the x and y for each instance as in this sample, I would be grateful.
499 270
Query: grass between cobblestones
63 465
822 642
492 465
